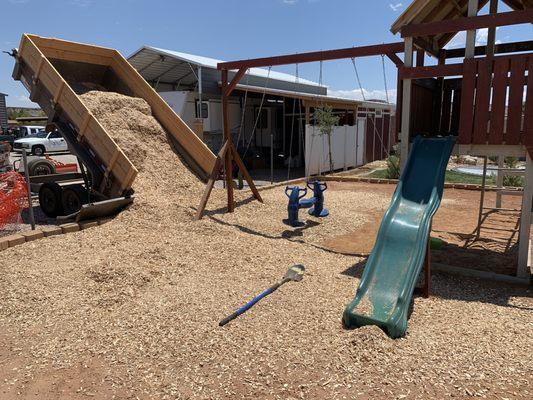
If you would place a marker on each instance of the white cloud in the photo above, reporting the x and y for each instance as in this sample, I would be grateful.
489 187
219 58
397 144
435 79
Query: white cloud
20 101
355 94
395 7
459 40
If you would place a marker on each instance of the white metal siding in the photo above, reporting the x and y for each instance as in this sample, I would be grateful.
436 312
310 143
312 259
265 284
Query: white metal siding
3 111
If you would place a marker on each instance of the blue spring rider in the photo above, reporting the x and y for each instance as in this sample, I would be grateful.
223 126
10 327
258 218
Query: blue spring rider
293 193
315 203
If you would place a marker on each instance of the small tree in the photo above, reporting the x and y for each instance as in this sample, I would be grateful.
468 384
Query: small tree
393 167
326 120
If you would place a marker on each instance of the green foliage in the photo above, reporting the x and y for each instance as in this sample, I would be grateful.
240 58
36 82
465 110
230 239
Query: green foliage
513 181
14 113
393 167
511 162
325 121
450 177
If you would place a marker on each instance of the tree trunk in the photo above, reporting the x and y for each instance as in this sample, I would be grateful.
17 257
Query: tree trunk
330 158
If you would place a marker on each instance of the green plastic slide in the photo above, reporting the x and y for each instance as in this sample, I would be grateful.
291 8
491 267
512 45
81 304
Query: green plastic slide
385 292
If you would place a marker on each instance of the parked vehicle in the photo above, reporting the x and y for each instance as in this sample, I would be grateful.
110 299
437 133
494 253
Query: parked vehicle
20 132
41 143
10 139
27 130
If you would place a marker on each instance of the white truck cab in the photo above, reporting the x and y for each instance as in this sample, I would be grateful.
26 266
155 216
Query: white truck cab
41 143
28 130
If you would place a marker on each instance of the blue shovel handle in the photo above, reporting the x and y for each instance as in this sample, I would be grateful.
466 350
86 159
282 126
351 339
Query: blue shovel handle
251 303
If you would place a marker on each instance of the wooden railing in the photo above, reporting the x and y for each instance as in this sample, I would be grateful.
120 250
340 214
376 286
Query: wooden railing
496 101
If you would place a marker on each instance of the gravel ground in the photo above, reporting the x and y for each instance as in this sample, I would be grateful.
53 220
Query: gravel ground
138 300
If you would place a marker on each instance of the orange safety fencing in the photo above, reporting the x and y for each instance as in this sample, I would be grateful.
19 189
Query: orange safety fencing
13 197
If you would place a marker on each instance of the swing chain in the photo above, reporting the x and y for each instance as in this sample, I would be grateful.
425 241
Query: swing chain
259 113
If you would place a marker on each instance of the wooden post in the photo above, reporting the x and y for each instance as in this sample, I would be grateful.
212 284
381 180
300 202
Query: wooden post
211 181
228 164
471 34
491 35
27 175
482 198
523 269
420 57
406 105
499 182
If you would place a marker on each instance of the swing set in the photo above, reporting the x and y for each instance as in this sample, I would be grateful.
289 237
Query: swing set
228 156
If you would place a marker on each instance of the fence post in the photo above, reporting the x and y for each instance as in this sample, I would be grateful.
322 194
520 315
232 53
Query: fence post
27 175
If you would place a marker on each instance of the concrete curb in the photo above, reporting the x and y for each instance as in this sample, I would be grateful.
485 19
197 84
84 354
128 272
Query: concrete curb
472 273
363 179
46 231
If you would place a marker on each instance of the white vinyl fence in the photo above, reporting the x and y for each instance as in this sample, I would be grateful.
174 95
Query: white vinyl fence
347 148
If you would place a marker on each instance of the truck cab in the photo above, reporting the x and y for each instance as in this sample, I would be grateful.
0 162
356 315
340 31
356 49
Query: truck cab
41 143
28 130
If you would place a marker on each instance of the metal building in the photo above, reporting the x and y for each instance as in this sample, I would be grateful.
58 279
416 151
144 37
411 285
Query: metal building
269 111
3 111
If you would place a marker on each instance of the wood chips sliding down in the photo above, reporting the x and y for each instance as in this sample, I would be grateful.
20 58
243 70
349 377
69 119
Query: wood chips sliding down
131 308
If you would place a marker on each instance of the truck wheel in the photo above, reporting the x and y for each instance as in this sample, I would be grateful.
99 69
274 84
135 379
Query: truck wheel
38 150
72 198
41 167
50 199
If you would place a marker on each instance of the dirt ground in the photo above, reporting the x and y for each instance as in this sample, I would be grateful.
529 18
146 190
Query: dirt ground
495 250
130 309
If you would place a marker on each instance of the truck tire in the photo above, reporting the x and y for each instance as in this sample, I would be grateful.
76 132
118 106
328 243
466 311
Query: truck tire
38 150
41 167
50 199
72 198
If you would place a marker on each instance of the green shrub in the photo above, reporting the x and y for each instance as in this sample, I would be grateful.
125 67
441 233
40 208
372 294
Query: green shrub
511 162
513 181
393 167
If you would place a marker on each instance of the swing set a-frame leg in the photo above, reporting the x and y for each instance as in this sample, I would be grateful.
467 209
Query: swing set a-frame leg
227 154
246 174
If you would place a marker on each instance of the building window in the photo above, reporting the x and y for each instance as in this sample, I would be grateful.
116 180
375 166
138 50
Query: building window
204 113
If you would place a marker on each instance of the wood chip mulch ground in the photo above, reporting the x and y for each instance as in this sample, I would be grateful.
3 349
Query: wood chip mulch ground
130 309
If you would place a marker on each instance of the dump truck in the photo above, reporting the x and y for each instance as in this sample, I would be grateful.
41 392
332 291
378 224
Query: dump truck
53 70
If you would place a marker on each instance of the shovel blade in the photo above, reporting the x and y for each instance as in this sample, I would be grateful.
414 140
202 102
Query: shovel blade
295 273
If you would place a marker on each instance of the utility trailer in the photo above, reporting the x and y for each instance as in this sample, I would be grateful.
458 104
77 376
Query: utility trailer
54 71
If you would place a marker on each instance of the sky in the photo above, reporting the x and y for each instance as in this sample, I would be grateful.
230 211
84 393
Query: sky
226 30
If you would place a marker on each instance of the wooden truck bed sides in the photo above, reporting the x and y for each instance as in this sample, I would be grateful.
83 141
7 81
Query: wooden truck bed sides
44 58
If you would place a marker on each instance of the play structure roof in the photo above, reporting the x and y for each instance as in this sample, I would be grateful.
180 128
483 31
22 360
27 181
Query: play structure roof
424 11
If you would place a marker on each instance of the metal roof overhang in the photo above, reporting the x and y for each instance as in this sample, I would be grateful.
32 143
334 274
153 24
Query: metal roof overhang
314 99
156 67
424 11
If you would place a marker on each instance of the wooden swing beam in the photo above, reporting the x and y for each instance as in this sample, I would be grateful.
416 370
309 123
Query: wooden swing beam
228 154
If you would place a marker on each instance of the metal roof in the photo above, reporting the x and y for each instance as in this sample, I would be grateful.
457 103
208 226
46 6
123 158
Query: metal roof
326 99
423 11
172 66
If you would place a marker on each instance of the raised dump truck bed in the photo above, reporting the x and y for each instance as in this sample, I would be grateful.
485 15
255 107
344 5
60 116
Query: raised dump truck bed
54 71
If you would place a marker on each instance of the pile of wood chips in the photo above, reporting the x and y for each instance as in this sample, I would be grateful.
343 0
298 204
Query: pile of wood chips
131 308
